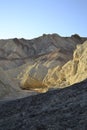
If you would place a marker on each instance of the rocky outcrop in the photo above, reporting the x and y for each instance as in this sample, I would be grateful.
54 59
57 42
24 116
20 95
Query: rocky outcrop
64 109
72 72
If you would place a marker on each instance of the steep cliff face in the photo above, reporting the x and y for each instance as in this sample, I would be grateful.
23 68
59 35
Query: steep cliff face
73 71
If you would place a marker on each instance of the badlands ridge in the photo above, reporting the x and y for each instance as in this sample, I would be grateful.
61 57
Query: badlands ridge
38 65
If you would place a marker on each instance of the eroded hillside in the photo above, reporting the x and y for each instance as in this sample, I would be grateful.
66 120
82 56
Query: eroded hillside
38 64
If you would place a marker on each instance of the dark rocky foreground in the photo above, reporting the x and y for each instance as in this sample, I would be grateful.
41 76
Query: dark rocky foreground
64 109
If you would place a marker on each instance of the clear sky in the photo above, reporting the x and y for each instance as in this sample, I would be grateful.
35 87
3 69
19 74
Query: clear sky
32 18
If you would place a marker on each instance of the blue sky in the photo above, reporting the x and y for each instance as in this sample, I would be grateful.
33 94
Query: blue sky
32 18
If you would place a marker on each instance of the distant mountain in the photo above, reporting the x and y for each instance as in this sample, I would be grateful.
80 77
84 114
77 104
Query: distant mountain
16 52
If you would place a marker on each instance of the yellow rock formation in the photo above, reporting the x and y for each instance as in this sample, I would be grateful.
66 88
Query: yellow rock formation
72 72
32 78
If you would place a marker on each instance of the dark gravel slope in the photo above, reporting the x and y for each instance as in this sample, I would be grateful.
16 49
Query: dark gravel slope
64 109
